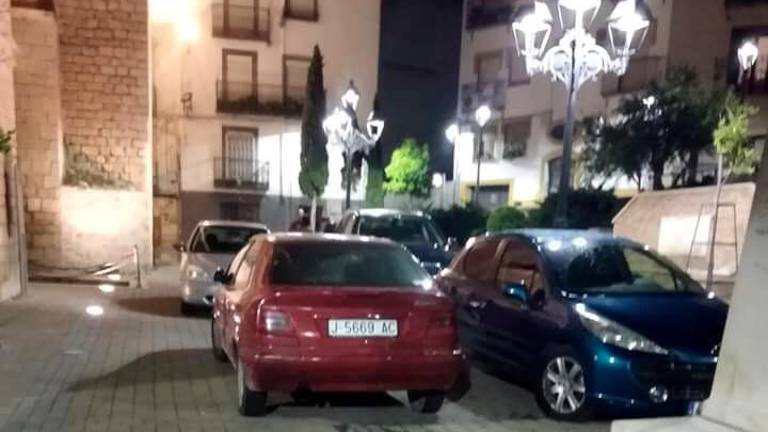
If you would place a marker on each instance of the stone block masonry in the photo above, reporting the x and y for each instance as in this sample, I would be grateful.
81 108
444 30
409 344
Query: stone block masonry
105 98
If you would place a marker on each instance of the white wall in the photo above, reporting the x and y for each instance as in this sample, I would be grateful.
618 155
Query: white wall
347 33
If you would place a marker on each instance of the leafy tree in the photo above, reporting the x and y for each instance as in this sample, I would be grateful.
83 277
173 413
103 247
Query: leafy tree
314 157
586 209
732 137
408 171
5 140
460 222
506 218
670 122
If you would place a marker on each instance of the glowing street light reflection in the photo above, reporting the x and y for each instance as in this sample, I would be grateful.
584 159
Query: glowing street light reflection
107 288
94 310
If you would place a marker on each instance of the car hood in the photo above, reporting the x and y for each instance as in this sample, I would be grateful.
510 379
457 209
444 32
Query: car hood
691 324
210 262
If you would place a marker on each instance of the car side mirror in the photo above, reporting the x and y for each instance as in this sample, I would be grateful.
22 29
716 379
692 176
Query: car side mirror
179 247
516 291
221 276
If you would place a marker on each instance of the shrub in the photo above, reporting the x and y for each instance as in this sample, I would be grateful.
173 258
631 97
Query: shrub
507 218
460 222
586 209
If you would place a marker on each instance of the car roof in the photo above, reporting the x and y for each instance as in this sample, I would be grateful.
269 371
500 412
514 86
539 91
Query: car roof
381 212
300 237
541 236
231 223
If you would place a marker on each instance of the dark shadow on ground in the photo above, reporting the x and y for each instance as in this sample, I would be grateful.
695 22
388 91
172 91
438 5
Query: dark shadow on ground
160 306
172 365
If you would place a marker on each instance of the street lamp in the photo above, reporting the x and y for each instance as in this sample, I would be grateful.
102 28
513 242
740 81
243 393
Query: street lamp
342 129
747 53
577 58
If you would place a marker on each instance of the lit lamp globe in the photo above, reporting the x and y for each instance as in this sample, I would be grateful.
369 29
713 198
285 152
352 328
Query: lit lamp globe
482 115
452 133
747 54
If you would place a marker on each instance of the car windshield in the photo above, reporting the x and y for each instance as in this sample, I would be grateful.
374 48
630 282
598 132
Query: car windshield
612 267
402 229
346 264
218 239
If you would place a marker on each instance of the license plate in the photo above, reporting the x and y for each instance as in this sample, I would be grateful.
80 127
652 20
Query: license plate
360 328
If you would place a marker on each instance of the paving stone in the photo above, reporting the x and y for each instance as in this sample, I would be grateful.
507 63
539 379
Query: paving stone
143 367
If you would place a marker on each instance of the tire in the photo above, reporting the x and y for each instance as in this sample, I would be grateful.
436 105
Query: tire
187 309
561 388
218 352
249 403
425 402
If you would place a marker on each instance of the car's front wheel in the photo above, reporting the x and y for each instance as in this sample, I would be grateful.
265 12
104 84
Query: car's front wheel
425 402
562 390
250 403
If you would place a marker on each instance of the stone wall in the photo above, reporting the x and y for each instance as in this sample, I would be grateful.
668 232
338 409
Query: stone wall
9 265
38 128
105 98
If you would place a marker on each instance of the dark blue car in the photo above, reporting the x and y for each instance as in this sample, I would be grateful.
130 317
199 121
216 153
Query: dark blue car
415 230
591 321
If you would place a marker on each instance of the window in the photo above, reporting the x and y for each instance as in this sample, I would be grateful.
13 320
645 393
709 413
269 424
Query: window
339 264
240 153
490 142
295 71
492 197
479 263
240 19
239 76
243 275
645 269
487 66
222 239
518 74
301 9
516 135
519 264
554 166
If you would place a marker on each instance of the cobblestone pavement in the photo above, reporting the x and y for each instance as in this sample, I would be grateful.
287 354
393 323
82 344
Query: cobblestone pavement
143 367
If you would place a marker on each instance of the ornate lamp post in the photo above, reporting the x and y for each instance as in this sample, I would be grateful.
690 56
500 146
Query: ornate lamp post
577 58
343 130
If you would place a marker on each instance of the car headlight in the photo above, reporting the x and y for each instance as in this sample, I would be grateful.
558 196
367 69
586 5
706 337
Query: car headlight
197 274
615 334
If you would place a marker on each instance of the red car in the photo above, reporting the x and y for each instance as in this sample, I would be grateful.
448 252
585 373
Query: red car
330 313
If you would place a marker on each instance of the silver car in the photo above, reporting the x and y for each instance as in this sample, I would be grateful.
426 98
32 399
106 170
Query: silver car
211 246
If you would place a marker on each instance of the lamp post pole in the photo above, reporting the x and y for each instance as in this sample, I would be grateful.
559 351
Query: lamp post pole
480 151
564 189
348 169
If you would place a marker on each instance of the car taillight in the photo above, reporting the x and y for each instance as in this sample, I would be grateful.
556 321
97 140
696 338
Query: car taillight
442 321
276 322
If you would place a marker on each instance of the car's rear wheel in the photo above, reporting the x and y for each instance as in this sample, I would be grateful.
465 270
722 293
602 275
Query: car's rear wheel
562 390
218 352
250 403
425 402
187 309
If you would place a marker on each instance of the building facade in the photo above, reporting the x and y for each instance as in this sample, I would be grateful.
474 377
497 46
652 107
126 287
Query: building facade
229 81
521 160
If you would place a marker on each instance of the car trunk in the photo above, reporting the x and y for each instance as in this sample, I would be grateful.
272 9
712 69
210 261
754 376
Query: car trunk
415 312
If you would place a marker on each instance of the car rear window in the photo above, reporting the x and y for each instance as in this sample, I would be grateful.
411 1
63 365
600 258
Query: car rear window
345 264
222 239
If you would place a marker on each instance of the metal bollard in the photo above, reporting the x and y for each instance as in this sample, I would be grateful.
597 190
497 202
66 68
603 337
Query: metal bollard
138 265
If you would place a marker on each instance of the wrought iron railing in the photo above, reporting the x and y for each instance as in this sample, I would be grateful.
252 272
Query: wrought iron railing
234 173
241 22
267 99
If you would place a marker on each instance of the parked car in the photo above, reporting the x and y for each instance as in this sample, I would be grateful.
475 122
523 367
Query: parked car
597 322
415 230
330 313
211 246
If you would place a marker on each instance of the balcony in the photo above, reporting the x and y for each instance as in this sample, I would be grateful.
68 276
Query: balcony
264 99
493 93
642 71
34 4
241 22
246 174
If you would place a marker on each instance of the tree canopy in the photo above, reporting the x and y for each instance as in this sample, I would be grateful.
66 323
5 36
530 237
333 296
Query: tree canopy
662 130
314 156
408 170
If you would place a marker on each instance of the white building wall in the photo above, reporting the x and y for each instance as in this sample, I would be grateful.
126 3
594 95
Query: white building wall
347 33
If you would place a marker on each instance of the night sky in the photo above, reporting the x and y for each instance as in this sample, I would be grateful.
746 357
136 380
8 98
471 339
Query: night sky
419 73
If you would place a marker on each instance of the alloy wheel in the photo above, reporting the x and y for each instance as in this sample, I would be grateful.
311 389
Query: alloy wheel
563 385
